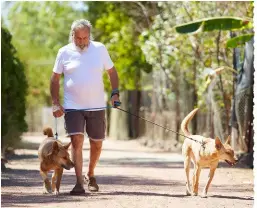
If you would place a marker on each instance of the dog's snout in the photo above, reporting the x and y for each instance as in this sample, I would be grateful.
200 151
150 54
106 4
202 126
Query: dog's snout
66 167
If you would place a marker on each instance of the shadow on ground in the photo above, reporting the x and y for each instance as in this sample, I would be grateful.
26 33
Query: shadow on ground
13 180
140 162
233 197
32 178
137 193
21 200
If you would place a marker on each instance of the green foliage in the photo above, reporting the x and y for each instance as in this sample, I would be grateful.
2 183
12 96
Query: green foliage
210 24
177 55
39 29
239 40
114 28
219 23
14 89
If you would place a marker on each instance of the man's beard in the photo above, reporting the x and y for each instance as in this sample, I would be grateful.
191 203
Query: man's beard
82 47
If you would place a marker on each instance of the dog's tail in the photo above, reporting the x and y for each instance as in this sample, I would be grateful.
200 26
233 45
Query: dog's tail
185 122
48 131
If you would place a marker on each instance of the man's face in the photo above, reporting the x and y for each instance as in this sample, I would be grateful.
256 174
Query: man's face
81 37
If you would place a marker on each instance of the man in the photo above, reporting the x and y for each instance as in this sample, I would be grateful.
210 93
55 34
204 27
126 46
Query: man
82 62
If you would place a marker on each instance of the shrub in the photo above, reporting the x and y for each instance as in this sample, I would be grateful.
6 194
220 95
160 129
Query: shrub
14 89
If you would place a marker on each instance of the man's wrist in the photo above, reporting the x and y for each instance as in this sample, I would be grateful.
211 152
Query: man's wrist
56 107
56 102
115 92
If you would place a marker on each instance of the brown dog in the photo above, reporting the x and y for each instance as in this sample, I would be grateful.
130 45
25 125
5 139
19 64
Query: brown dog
53 155
206 154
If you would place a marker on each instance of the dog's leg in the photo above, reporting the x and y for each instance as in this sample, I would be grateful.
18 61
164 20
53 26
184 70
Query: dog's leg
211 174
196 179
187 169
58 180
54 181
46 184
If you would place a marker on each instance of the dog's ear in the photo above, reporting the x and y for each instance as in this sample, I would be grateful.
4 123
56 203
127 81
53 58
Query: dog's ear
55 147
228 140
67 146
218 143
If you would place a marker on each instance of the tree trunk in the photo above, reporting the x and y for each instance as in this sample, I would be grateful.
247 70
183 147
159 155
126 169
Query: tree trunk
227 128
177 91
195 98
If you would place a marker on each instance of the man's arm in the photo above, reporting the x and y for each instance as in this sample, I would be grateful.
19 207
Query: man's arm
54 89
114 79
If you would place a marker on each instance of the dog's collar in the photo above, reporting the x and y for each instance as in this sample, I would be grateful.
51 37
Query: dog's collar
202 142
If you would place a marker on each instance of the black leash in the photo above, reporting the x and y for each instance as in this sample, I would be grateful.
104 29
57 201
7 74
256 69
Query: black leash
202 143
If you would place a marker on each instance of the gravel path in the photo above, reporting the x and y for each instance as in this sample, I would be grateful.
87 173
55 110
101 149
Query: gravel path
129 176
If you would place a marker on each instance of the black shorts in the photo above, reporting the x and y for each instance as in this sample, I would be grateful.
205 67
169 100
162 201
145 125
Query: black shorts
93 122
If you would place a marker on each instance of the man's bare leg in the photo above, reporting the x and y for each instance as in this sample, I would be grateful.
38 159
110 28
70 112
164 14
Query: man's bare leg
95 152
77 157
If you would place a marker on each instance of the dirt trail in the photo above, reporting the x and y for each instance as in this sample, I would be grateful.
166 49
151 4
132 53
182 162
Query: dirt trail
129 176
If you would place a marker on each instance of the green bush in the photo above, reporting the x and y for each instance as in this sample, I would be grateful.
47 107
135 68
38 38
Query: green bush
14 89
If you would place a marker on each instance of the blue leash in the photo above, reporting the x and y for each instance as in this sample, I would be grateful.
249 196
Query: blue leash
87 109
116 104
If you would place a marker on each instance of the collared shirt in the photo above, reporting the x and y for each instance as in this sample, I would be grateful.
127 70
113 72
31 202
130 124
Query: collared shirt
83 74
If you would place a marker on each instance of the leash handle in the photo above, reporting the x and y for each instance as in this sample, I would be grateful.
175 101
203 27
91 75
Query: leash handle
116 104
56 134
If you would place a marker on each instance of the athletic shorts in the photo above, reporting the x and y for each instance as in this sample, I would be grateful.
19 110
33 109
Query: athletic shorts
91 122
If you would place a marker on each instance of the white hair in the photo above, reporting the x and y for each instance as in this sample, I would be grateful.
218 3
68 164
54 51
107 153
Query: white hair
78 24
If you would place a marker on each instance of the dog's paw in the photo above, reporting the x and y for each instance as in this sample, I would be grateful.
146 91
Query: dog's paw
194 194
188 193
47 191
56 193
204 194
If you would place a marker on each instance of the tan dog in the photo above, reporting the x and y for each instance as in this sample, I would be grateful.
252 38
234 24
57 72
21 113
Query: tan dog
203 155
53 155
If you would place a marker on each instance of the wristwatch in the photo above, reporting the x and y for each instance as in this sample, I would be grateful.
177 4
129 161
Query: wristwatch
115 92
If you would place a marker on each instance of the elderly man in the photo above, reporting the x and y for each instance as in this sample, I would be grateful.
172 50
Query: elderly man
82 63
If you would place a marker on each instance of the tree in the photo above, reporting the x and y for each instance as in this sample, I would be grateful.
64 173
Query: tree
39 30
189 56
14 89
117 30
242 109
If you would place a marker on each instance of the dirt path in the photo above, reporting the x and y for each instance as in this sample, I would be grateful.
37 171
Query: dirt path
129 176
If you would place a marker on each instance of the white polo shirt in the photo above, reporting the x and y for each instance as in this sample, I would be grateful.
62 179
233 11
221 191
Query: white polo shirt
83 75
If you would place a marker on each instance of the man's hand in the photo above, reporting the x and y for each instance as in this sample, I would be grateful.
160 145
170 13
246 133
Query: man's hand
115 98
58 110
